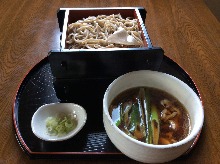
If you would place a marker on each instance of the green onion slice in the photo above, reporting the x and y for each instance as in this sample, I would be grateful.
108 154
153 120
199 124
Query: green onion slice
61 124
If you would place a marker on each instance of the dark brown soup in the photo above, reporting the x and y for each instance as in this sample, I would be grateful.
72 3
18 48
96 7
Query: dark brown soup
150 115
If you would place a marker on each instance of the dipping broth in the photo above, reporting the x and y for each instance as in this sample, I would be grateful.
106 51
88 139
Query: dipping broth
150 115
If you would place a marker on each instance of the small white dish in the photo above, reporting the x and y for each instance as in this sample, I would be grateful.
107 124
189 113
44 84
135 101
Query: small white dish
38 122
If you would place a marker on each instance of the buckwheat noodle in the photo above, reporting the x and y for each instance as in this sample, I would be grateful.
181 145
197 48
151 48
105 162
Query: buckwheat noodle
93 32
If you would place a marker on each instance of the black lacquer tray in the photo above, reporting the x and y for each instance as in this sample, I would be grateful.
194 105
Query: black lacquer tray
83 82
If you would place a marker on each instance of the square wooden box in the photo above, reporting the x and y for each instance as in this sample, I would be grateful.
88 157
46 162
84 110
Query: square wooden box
67 16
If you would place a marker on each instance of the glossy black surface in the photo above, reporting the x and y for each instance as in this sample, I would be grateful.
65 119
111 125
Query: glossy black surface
78 64
86 87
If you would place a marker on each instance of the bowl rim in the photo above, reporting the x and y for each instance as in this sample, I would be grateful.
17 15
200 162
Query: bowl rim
189 138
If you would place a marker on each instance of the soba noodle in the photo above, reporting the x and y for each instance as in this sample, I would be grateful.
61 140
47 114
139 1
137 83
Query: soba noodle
94 32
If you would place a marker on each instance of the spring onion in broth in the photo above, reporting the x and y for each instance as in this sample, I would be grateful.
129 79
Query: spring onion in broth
155 125
140 119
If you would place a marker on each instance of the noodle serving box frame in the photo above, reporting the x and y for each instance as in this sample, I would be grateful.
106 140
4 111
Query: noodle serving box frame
81 77
67 16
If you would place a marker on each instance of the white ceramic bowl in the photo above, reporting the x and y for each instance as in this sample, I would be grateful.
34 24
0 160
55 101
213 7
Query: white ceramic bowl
141 151
38 122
